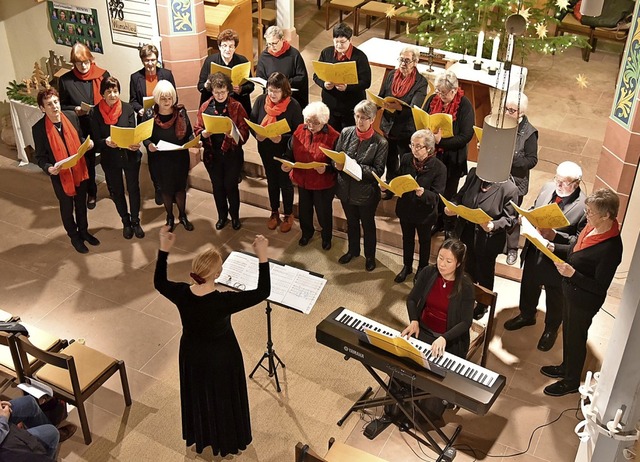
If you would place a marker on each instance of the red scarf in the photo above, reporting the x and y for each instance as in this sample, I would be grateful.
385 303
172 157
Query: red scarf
584 240
437 106
273 110
364 135
343 57
110 114
177 121
285 47
401 85
95 74
63 148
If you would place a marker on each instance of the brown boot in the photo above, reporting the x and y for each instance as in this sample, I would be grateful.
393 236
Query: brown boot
274 220
66 431
287 224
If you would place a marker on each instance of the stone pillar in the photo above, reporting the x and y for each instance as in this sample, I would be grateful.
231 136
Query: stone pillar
184 46
284 19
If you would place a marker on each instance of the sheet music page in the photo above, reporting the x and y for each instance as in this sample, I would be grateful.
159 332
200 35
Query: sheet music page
239 271
304 290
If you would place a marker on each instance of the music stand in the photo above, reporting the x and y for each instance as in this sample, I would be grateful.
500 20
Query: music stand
270 354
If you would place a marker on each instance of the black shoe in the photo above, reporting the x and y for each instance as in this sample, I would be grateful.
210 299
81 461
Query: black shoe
555 372
303 241
547 340
127 232
326 245
370 264
171 224
387 195
78 244
346 258
158 197
221 223
519 322
561 388
235 223
137 229
89 238
512 256
91 202
402 275
186 223
66 431
479 311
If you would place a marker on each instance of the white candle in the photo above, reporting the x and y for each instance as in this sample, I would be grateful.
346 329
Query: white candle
494 50
480 43
510 47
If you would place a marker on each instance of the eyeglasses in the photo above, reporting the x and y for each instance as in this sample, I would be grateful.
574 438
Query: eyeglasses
223 92
273 44
405 60
312 123
564 183
362 117
417 147
511 110
83 63
589 212
442 92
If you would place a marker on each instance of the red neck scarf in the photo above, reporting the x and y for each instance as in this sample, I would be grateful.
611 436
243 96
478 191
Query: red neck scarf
343 57
273 110
95 74
110 114
364 135
584 240
63 147
420 165
401 85
437 106
177 121
285 47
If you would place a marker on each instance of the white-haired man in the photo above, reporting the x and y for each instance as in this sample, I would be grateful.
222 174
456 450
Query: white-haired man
538 269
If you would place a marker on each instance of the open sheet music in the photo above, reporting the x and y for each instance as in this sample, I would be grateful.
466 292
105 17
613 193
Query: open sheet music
291 287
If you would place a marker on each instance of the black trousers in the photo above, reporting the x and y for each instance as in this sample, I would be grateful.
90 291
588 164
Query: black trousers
277 182
482 250
513 233
409 242
92 188
322 201
397 147
113 175
365 215
340 121
533 278
73 210
224 170
576 320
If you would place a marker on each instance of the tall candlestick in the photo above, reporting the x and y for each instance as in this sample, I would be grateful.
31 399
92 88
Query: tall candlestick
510 47
494 50
480 44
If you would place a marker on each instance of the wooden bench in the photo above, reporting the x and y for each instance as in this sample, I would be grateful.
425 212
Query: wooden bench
345 6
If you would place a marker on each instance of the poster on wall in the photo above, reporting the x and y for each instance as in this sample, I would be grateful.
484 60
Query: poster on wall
133 22
71 24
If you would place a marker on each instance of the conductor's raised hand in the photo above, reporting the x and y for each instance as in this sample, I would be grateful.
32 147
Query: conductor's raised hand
167 238
260 247
412 330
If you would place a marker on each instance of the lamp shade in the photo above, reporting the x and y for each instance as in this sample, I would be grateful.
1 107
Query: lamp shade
591 7
496 149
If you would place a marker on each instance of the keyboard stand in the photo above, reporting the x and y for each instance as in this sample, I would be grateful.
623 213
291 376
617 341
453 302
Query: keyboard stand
408 406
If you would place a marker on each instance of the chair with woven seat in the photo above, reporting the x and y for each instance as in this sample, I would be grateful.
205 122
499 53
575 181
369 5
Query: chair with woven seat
74 374
372 9
481 335
402 15
344 6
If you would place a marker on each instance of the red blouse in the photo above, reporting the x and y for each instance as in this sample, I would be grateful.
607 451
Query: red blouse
436 307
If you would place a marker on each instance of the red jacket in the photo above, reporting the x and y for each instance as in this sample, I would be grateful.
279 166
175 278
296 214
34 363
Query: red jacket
306 148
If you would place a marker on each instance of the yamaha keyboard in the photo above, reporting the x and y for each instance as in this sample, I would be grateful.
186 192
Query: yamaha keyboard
465 384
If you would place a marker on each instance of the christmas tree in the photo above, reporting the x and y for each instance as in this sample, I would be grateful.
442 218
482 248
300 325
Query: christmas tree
454 26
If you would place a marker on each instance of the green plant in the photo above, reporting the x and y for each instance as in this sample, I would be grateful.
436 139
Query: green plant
18 91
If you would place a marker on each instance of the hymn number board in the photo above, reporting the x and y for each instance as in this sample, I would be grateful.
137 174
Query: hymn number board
133 22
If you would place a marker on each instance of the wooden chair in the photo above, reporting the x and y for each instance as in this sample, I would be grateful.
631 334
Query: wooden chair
373 9
10 369
401 16
571 25
344 6
481 335
74 374
338 452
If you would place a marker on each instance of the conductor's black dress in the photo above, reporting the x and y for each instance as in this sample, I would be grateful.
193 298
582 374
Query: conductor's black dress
213 387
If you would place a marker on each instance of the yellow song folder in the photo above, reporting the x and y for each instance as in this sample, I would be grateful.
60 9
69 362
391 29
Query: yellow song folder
300 165
125 136
477 216
237 73
216 124
380 101
272 130
148 102
443 122
397 346
73 160
399 185
547 216
478 132
338 73
532 234
350 166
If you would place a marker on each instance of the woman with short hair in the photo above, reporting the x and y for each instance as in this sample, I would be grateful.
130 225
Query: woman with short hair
172 125
116 161
360 198
277 104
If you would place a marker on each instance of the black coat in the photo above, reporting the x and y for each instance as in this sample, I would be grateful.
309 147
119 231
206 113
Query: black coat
73 92
44 155
293 114
399 124
423 209
343 102
138 86
292 66
459 314
525 155
246 88
371 154
113 157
